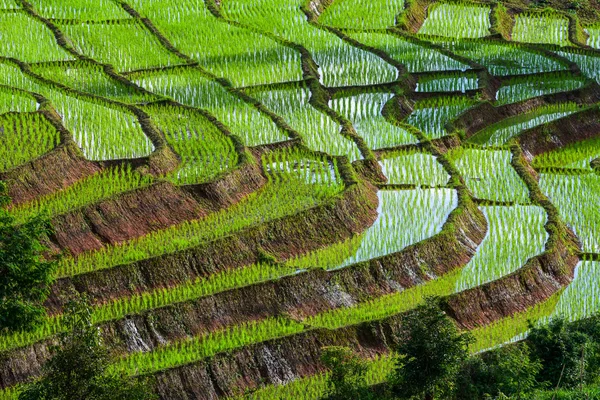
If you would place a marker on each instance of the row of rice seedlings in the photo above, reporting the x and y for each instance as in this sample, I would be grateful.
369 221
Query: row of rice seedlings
431 115
126 46
90 190
365 113
572 196
501 132
405 217
455 82
574 156
411 167
315 387
515 234
362 14
319 132
581 299
191 88
91 78
14 101
589 63
28 40
8 4
340 64
519 89
550 28
489 175
153 299
24 137
204 150
414 57
242 56
284 195
594 37
85 10
197 348
457 20
103 133
503 59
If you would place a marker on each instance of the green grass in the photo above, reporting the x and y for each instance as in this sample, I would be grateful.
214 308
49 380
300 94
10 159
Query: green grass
340 64
519 89
413 168
414 57
28 40
205 151
501 132
515 234
24 137
460 20
365 113
189 87
362 14
489 175
319 132
242 56
84 10
125 45
547 28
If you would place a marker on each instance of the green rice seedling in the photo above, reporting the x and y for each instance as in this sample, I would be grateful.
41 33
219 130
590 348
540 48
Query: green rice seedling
503 59
92 189
501 132
588 62
284 195
414 57
191 88
594 37
103 133
27 39
515 234
15 101
197 348
431 115
11 393
489 175
572 195
410 167
551 28
574 156
455 82
24 137
581 299
340 64
364 111
315 387
91 78
240 55
519 89
405 217
124 44
319 132
362 14
83 10
8 4
204 150
513 328
458 20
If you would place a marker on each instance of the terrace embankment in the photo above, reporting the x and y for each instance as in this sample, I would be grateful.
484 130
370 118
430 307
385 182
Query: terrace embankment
486 114
560 133
159 206
296 296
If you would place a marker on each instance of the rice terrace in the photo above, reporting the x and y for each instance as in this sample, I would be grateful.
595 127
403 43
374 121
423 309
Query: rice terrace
235 185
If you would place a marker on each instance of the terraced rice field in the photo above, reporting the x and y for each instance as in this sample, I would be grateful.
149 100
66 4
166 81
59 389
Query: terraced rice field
232 182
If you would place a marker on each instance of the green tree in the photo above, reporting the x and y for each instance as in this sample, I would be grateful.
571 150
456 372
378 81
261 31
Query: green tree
25 275
508 370
79 369
347 378
431 351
